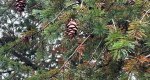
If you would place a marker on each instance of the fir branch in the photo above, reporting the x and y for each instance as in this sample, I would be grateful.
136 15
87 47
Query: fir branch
70 57
27 61
52 21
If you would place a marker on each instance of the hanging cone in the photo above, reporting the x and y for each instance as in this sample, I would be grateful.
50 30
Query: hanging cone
20 5
71 28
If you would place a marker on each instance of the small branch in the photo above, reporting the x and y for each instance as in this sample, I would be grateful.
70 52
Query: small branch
114 24
62 11
69 58
74 52
100 56
95 50
148 56
52 21
81 5
144 15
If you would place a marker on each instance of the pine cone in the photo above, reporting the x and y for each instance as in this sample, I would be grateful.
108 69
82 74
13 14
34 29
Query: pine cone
20 5
71 28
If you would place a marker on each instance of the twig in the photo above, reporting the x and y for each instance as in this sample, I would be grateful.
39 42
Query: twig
95 50
52 21
81 5
148 56
144 15
69 58
100 56
114 24
73 53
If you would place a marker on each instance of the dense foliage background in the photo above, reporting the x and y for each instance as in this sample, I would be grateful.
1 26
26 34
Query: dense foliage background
110 39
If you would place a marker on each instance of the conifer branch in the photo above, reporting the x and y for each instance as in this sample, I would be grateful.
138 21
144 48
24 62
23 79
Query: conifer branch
52 21
69 58
21 56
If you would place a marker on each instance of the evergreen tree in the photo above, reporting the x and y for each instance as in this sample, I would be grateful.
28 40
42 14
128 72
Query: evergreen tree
74 39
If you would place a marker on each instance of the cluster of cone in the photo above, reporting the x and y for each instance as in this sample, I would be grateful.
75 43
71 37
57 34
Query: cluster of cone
20 5
71 28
